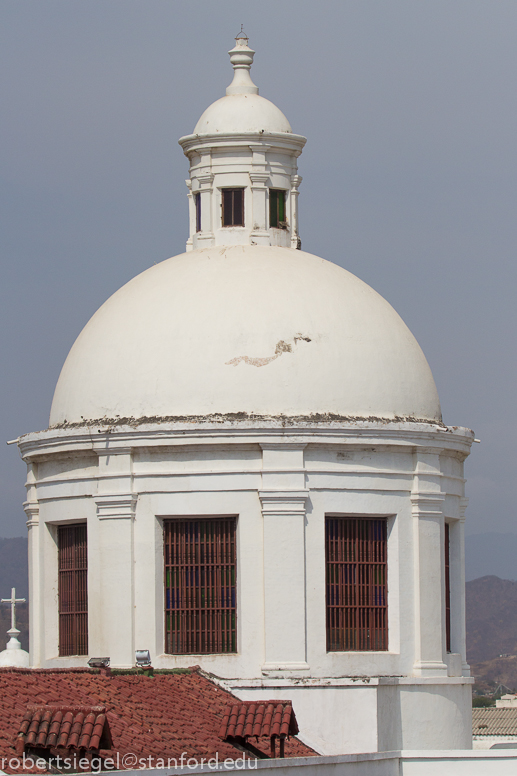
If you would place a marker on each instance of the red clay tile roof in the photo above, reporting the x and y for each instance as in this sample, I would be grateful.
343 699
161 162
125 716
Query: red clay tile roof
157 717
53 727
264 718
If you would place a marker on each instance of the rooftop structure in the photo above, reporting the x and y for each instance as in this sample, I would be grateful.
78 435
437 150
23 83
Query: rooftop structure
89 713
246 467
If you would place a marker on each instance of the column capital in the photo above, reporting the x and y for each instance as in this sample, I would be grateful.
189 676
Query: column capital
427 504
32 511
258 178
283 502
205 180
116 506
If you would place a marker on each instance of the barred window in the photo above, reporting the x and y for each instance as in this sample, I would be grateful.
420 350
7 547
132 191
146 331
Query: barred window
200 591
356 583
73 589
233 207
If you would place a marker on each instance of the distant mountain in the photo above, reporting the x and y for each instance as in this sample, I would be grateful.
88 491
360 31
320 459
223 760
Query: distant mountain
492 673
491 554
491 618
492 631
14 568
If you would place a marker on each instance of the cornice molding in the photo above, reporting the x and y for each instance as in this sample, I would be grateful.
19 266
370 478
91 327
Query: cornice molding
269 140
405 435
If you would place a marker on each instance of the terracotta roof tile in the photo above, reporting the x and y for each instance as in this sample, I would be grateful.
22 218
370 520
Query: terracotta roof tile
48 727
265 718
159 716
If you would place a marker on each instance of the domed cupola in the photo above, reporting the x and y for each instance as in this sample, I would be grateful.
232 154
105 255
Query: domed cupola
244 180
246 469
272 331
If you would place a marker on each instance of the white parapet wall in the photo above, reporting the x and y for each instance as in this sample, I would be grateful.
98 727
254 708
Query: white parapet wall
402 763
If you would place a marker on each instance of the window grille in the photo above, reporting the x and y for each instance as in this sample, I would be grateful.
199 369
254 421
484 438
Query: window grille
356 582
277 208
447 589
233 207
73 589
200 592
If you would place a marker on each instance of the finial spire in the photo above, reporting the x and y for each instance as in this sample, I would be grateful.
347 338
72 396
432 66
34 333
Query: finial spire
13 601
241 57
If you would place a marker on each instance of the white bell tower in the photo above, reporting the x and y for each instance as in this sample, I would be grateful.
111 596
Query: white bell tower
243 185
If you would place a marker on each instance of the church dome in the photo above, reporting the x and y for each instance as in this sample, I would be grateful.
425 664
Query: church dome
242 110
244 113
245 330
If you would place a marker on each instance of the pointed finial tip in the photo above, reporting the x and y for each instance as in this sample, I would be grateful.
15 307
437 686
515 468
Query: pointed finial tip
242 35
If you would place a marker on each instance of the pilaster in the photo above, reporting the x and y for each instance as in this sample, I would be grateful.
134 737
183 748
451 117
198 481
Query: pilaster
295 183
260 233
112 622
283 498
428 568
33 525
205 238
191 215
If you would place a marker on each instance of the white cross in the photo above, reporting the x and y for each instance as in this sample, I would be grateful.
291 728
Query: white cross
13 601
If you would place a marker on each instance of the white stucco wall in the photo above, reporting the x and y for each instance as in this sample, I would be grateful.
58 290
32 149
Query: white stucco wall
279 483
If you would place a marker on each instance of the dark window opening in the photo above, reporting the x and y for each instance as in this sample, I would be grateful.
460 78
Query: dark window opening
356 584
73 589
233 207
197 200
447 589
200 586
277 209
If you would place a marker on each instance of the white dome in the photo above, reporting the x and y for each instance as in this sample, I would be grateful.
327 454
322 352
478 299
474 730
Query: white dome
242 113
256 330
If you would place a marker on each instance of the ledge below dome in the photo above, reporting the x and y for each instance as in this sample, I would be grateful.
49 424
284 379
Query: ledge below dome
240 428
239 417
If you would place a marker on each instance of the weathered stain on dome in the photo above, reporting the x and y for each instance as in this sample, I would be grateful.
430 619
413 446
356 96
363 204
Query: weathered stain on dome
318 418
281 347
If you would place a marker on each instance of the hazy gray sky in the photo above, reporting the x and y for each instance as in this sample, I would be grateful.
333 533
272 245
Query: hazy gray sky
409 180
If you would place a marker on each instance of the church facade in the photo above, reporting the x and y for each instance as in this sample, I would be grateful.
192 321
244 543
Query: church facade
246 468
